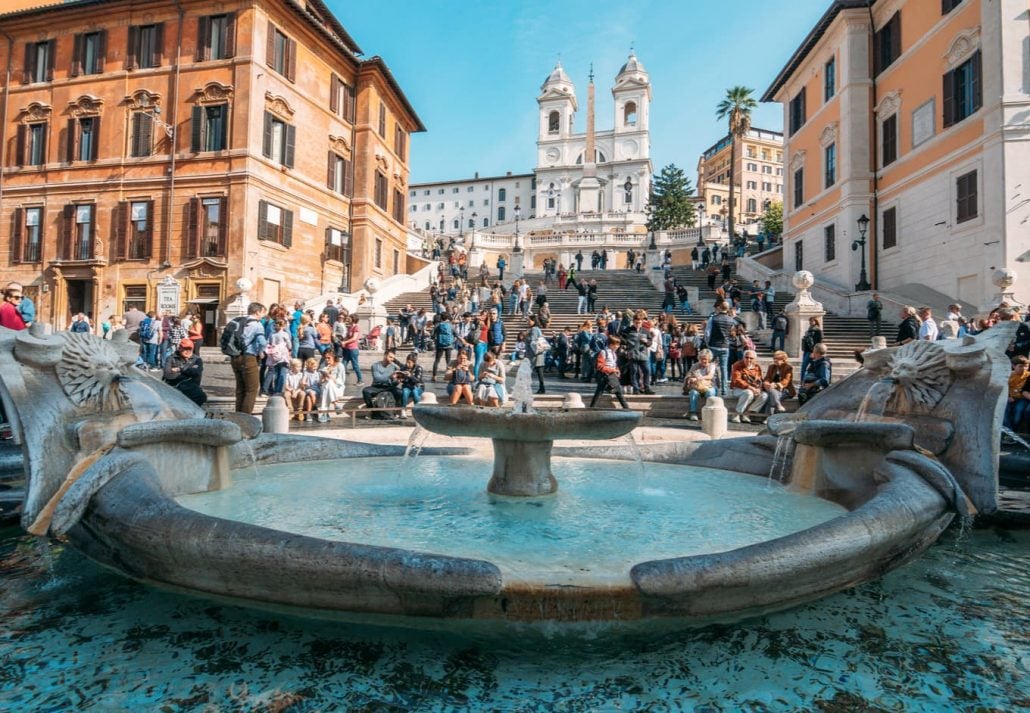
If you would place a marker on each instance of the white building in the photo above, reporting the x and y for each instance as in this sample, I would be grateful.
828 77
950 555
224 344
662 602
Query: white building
457 207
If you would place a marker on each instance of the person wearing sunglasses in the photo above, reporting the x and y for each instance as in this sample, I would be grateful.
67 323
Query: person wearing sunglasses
184 371
10 314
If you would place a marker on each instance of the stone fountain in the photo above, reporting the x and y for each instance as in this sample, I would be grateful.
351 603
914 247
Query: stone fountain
109 450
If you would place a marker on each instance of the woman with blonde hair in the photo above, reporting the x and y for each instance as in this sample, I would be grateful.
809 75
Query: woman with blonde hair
701 381
778 382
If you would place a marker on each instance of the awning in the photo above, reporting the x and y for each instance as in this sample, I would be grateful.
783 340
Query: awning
203 301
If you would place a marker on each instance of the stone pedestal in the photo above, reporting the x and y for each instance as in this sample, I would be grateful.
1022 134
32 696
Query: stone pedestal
1002 279
516 266
948 328
371 315
520 471
693 294
713 417
878 343
802 309
275 418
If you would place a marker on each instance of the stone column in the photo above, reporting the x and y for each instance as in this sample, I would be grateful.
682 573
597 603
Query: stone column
803 308
1003 279
516 266
238 306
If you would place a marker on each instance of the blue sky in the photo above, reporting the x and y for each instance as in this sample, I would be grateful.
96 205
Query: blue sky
473 70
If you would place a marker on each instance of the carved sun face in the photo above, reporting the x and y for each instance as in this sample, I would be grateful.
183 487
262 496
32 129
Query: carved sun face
922 376
90 371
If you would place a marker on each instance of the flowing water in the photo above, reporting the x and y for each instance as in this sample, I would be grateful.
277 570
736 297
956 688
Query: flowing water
522 391
875 401
416 441
947 632
1015 437
599 525
783 458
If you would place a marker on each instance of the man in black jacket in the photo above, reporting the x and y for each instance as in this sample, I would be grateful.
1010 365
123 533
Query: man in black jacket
908 330
636 340
184 370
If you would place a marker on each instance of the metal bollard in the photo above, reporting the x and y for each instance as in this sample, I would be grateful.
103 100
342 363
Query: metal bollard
713 417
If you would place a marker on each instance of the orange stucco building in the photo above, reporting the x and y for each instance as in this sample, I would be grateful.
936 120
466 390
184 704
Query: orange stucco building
186 145
912 113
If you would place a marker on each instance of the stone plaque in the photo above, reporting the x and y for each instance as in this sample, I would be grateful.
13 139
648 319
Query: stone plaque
168 296
923 123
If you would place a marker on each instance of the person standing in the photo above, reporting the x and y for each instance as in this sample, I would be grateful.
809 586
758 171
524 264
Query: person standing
718 336
592 297
245 365
695 258
443 340
501 264
638 348
874 313
908 330
607 369
349 348
536 350
579 261
928 331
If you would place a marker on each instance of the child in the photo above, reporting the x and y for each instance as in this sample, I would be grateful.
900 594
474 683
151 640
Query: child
520 347
310 384
293 391
1019 393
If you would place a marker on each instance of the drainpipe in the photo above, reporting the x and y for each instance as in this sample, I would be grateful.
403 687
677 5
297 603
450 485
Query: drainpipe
167 261
874 263
3 126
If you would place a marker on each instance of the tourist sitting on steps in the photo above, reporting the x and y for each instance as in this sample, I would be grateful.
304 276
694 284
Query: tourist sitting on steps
607 369
184 370
817 375
412 385
746 387
701 381
385 390
490 389
779 382
459 381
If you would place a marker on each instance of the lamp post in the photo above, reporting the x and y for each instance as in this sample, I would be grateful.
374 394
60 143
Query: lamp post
701 223
472 240
863 226
518 214
461 224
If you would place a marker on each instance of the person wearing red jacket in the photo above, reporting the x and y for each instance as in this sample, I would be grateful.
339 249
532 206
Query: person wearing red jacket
746 387
607 370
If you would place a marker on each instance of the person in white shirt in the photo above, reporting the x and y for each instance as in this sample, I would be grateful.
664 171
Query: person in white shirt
928 329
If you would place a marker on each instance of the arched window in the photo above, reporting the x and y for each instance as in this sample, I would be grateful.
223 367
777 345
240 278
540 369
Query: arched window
472 222
427 225
486 222
599 157
752 205
456 224
500 214
553 122
629 114
502 194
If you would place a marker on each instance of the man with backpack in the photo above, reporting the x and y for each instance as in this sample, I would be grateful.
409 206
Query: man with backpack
243 341
780 327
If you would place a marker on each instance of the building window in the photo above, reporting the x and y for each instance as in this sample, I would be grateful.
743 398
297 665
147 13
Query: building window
716 200
553 122
949 5
210 128
799 256
382 119
890 228
142 143
627 193
400 142
629 114
890 139
752 185
39 61
275 224
398 206
208 227
337 245
797 111
963 90
135 298
767 169
145 47
134 230
31 143
752 205
378 256
88 52
216 37
830 243
966 197
766 186
339 177
830 165
829 79
279 140
381 190
281 53
799 187
341 99
27 239
83 138
887 44
502 194
455 190
457 224
78 225
752 167
751 153
500 214
486 222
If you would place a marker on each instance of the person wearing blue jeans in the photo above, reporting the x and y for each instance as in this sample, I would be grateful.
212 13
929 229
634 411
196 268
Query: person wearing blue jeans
718 335
701 381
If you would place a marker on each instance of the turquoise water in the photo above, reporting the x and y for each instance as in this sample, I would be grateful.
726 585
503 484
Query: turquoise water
949 632
606 516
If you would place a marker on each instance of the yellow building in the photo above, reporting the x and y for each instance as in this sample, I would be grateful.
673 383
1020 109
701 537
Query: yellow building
759 176
914 114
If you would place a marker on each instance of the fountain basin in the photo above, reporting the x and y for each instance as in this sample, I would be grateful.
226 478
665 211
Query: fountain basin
522 441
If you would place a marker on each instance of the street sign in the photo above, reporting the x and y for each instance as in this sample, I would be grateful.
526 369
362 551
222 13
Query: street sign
168 292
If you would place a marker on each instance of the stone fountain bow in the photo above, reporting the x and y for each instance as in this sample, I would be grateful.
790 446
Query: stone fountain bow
523 441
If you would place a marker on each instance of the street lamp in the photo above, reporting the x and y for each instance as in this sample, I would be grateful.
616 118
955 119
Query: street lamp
863 226
472 241
461 224
518 214
701 223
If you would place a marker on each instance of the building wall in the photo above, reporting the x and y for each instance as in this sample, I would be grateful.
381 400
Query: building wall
173 176
713 175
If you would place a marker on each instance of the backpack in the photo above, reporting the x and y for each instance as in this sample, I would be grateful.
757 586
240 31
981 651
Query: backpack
780 324
146 329
232 343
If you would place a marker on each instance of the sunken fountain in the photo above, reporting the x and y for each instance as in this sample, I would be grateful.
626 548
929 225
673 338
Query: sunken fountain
115 463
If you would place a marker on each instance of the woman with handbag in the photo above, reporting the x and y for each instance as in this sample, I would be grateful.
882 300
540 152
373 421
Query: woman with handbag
701 381
778 382
536 349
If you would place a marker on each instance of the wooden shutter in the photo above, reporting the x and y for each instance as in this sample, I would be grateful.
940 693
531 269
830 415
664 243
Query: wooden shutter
94 147
348 178
77 44
159 45
229 41
197 129
266 136
121 230
67 225
132 51
142 134
16 235
148 238
291 59
223 226
69 140
949 99
262 220
291 143
51 55
895 36
21 142
330 173
270 46
193 228
977 80
101 51
30 63
203 38
287 228
45 139
334 93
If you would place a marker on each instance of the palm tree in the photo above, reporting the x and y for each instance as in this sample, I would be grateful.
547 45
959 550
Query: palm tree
737 107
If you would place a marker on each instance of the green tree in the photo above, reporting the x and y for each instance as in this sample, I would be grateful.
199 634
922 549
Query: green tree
772 220
670 206
736 107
